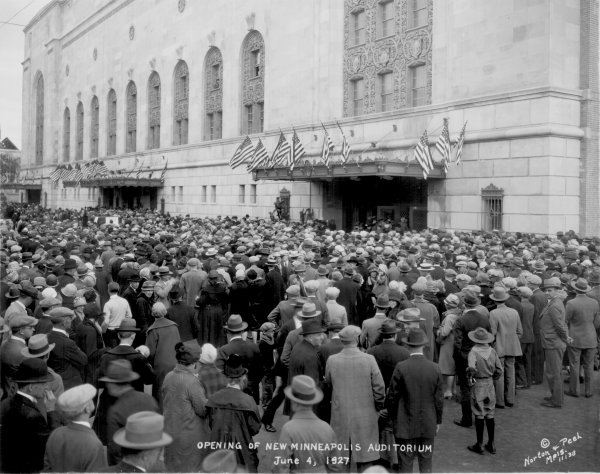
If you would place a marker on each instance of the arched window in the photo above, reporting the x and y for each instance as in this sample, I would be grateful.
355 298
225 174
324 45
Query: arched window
253 87
94 127
154 111
79 149
111 146
39 120
131 117
66 134
181 106
213 97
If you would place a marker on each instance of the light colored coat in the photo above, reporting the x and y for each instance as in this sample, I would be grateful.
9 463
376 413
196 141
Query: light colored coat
553 328
337 313
506 327
358 393
583 319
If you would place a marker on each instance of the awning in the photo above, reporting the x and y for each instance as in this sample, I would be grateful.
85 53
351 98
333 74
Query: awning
116 182
27 186
384 168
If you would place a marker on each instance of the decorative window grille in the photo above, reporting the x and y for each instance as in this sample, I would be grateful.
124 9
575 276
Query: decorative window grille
131 117
253 86
213 99
39 121
67 135
154 111
111 147
180 132
94 127
79 149
493 198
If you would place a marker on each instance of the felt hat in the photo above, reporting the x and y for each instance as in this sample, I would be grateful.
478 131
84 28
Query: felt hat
74 400
13 293
335 326
32 370
70 264
350 334
91 311
309 310
416 337
82 271
51 281
211 252
233 367
134 277
163 271
128 325
410 315
383 301
580 285
303 390
481 336
39 281
322 270
21 321
187 353
57 314
235 324
499 294
222 460
70 290
143 430
387 328
37 346
312 326
29 291
119 371
553 282
148 285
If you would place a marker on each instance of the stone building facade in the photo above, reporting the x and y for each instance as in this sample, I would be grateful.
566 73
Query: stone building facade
176 85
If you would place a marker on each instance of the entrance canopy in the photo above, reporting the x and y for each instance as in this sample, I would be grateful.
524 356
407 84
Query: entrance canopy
115 182
28 186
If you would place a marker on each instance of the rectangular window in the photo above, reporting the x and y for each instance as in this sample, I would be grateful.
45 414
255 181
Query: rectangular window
492 212
248 119
215 80
255 58
418 15
181 131
418 85
172 193
386 18
203 195
358 27
253 194
242 194
213 193
180 194
386 91
261 116
358 95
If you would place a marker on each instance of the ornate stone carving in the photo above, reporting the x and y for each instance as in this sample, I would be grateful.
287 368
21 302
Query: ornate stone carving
213 75
379 55
182 84
253 85
250 21
181 6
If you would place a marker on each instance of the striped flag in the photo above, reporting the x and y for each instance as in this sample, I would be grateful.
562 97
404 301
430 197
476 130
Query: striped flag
260 157
242 154
68 173
281 154
102 169
423 155
164 172
327 148
139 170
345 149
459 144
55 175
443 145
297 151
77 175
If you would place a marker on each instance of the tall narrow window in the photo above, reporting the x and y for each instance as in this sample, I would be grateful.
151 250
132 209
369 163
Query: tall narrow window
242 194
131 117
358 95
79 149
493 198
180 194
94 127
111 146
39 120
67 135
154 111
418 85
213 193
418 13
180 132
385 18
386 91
358 27
253 194
203 194
213 98
254 83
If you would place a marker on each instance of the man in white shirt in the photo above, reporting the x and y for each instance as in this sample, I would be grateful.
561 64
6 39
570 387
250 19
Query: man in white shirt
116 310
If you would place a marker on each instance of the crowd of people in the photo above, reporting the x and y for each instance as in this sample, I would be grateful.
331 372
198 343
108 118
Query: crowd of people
168 342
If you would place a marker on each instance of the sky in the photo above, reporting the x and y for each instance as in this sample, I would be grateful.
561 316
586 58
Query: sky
14 15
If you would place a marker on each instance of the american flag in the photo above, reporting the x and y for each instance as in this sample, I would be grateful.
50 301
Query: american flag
102 169
139 170
56 174
345 149
281 154
443 145
327 148
423 155
242 154
459 144
260 157
297 151
164 172
68 173
77 174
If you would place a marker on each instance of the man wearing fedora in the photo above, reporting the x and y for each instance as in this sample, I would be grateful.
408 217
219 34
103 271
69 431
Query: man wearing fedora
305 427
116 310
20 306
415 404
275 283
358 394
70 271
183 315
555 337
583 320
24 430
75 447
388 353
142 443
286 309
507 329
431 317
349 296
539 301
248 351
370 326
21 329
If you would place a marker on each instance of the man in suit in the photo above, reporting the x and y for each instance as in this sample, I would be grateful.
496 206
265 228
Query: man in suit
24 430
388 353
70 268
275 283
349 296
183 315
248 351
524 378
27 295
583 320
305 358
286 309
555 338
334 344
11 356
370 326
539 301
67 360
415 404
192 280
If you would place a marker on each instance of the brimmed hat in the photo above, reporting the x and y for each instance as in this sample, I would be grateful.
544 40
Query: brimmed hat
69 264
481 336
37 346
29 291
499 294
32 370
148 285
163 271
580 285
553 282
187 353
416 337
51 281
134 277
222 460
410 315
425 267
143 430
57 314
383 301
388 328
235 324
312 326
210 252
119 371
303 390
70 290
233 367
322 270
13 293
335 326
309 310
128 325
539 266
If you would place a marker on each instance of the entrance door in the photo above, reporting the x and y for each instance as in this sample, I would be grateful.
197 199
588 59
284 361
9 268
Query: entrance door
34 196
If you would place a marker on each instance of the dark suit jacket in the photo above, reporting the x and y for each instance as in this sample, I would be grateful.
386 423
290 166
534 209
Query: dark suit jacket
388 354
74 448
334 346
67 359
185 317
24 435
11 357
250 354
276 287
139 364
89 340
121 467
415 399
349 298
469 321
306 360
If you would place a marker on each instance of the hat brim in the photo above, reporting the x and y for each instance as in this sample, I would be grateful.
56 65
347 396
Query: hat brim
314 331
127 329
481 341
579 290
46 379
424 342
25 352
240 329
119 438
133 376
313 401
499 299
388 333
402 320
301 315
545 287
382 306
